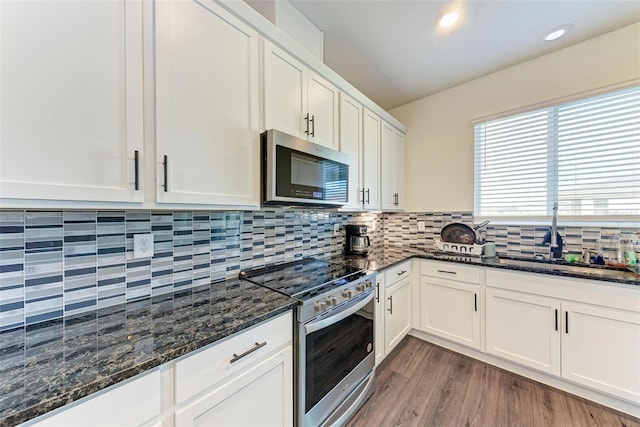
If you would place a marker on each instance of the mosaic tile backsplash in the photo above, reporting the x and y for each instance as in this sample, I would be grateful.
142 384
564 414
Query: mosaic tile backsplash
67 262
56 263
514 240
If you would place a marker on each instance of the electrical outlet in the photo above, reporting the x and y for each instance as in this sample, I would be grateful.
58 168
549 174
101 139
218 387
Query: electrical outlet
421 225
143 245
336 229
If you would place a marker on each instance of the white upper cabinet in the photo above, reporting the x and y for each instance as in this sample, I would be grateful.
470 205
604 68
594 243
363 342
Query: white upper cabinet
72 118
392 168
371 160
207 147
351 144
297 100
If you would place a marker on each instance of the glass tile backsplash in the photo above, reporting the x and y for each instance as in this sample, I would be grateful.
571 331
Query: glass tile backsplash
56 263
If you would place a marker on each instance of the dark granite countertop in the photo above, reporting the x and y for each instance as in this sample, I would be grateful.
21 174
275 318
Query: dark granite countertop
54 363
380 258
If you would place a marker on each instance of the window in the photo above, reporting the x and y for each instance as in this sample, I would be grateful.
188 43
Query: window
584 155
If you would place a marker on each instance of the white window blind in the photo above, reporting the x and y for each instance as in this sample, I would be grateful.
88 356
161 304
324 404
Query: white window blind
585 155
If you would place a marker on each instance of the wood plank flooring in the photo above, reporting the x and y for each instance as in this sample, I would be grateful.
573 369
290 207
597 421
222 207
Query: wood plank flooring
421 384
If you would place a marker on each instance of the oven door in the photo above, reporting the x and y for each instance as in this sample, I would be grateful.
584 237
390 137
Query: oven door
336 356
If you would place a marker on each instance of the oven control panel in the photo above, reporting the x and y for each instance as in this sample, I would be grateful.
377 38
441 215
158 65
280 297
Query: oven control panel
335 298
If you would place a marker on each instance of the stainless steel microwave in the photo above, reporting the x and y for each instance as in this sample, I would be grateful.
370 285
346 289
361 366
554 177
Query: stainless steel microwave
299 172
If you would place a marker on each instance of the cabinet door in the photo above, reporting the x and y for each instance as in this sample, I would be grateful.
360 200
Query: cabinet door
371 159
207 106
398 313
130 404
451 310
392 168
601 349
388 173
523 328
379 310
323 98
399 168
285 92
71 99
351 144
261 396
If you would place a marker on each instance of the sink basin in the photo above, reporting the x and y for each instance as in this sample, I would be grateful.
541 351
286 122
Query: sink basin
560 266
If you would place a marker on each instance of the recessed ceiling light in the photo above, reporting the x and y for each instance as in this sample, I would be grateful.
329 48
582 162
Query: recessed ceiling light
448 19
558 32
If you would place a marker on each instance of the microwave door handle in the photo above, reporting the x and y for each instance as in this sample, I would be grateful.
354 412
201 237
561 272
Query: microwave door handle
342 314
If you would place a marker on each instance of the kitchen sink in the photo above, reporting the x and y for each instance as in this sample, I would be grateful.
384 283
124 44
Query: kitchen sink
562 266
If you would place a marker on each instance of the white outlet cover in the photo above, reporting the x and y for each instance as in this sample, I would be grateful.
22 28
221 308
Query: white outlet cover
143 245
336 229
421 225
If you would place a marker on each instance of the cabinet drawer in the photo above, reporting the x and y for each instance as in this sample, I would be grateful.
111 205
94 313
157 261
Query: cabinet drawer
450 270
399 272
203 369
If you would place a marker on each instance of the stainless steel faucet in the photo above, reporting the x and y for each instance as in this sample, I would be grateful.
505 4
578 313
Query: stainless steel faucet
552 237
554 228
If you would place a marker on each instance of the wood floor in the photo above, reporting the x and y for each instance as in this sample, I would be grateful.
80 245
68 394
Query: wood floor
421 384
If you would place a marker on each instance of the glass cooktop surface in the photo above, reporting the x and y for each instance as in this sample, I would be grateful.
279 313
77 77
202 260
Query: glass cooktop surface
306 278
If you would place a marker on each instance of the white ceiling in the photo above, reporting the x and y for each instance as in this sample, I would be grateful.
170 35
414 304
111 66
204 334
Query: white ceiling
393 52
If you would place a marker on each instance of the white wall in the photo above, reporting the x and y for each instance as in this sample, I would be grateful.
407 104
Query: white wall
439 145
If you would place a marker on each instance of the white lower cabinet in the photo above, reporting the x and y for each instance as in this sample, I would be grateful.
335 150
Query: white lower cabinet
601 349
450 302
260 396
397 296
137 401
451 310
523 328
379 311
252 369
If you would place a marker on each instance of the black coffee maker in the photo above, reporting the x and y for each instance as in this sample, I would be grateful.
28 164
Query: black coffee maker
357 240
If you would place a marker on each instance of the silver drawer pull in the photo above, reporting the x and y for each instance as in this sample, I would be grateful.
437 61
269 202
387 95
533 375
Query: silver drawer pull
401 273
237 357
448 272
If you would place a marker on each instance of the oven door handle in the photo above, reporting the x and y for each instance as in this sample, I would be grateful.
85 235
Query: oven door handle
343 313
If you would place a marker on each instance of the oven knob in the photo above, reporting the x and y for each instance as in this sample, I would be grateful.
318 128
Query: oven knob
360 287
332 301
320 305
347 293
368 284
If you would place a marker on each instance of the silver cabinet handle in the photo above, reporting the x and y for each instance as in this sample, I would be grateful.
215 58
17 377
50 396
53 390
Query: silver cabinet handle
306 118
313 125
237 357
377 292
447 272
401 273
390 309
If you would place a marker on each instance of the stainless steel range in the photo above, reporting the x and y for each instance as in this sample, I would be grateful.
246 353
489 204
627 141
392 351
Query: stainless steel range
335 349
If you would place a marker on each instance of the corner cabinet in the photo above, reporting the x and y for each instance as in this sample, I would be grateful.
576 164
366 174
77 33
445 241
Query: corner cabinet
207 100
392 168
72 101
297 100
450 302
